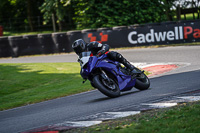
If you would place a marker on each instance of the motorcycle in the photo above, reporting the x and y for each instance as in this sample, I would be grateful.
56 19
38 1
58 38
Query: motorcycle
109 76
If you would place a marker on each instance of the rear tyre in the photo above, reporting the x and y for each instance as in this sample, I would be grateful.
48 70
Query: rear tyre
142 82
110 89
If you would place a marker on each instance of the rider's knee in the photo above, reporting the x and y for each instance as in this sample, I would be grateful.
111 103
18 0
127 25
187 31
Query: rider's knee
115 56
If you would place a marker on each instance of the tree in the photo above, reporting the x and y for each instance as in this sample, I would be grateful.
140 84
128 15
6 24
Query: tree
54 7
167 6
30 14
109 13
185 4
17 14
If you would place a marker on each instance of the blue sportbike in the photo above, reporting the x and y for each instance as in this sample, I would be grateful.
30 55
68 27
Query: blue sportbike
109 76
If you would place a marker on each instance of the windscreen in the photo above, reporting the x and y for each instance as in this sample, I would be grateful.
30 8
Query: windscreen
84 58
85 54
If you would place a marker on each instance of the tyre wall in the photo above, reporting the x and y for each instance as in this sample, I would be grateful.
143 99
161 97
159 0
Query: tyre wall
121 36
5 49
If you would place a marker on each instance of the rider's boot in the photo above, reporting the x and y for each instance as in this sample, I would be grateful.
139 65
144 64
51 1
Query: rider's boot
133 71
129 66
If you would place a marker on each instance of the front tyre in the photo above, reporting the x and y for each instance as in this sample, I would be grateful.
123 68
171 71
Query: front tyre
110 89
142 82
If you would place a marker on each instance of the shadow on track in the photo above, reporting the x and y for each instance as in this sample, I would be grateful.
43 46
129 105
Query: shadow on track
105 98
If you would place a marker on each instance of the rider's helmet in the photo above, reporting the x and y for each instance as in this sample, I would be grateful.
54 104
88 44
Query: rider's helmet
79 46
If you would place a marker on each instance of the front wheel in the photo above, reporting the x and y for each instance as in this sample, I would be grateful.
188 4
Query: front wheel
110 88
142 82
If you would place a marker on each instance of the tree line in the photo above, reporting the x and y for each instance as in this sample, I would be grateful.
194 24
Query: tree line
84 14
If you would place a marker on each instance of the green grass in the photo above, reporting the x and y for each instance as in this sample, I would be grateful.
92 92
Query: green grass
22 84
10 33
183 118
189 16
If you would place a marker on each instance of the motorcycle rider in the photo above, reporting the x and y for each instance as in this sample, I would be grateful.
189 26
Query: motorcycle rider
98 49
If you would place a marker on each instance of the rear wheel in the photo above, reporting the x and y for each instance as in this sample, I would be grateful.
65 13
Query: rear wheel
142 82
109 88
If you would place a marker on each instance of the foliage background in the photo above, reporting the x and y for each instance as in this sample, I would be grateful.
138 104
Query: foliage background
111 13
36 15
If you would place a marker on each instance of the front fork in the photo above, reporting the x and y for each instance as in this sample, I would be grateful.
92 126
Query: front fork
104 75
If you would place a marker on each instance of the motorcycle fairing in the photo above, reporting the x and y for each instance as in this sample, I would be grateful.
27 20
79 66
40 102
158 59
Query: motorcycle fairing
125 82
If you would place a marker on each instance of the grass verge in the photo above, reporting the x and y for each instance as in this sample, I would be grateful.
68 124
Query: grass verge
182 118
22 84
10 33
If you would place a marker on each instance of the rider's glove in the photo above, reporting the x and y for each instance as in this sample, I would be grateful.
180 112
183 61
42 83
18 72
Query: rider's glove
101 52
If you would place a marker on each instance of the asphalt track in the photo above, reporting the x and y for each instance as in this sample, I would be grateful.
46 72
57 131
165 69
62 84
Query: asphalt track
184 79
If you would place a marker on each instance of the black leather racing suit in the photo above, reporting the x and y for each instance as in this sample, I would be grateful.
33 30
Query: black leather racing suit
97 48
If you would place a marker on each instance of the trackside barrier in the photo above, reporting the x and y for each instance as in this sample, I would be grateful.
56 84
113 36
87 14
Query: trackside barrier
121 36
61 42
72 36
163 33
5 49
32 45
47 44
1 30
104 33
17 44
88 35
